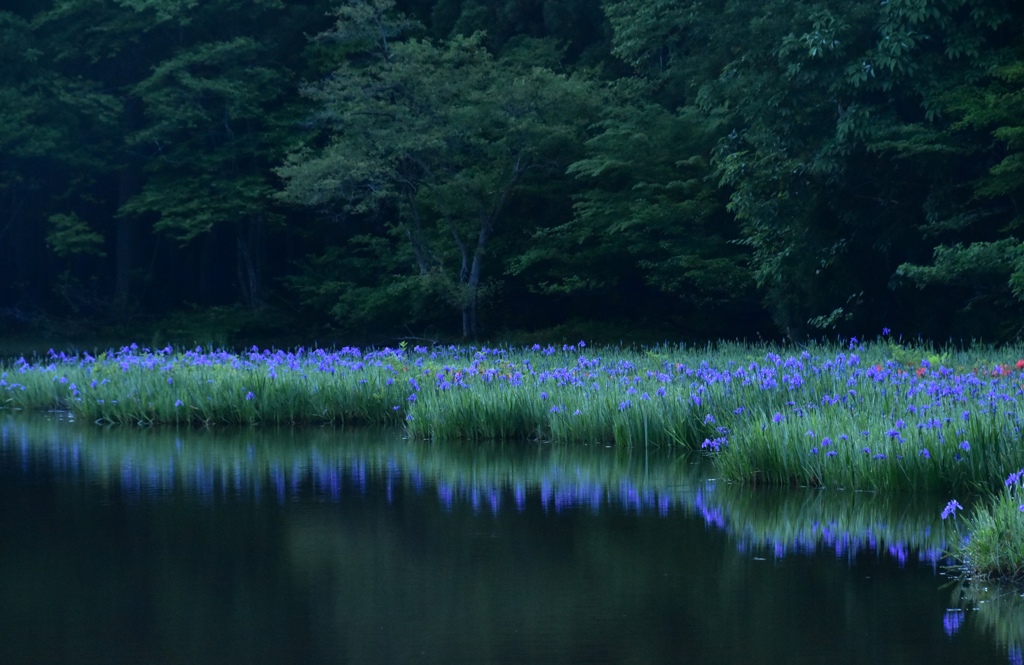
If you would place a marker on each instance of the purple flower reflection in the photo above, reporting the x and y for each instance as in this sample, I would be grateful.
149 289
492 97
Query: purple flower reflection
277 479
445 494
630 498
520 494
899 552
334 484
545 492
952 621
931 555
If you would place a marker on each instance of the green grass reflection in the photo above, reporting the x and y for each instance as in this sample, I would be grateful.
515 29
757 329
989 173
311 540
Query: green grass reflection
276 464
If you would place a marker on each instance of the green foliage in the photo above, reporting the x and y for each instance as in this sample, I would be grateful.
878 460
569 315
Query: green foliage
852 419
695 168
210 113
985 253
346 283
826 110
435 138
577 25
996 544
978 263
647 207
70 236
367 27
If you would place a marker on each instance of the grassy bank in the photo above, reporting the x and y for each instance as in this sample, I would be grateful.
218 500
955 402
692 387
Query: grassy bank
877 416
861 416
994 542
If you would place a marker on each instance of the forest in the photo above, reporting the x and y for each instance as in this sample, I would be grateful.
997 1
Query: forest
366 171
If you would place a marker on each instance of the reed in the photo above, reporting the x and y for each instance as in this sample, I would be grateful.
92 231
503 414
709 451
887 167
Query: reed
882 415
138 386
885 429
995 546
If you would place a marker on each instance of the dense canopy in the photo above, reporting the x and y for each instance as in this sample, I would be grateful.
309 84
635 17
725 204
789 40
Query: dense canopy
624 169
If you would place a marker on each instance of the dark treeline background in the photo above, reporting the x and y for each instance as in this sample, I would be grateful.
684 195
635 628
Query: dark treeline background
369 170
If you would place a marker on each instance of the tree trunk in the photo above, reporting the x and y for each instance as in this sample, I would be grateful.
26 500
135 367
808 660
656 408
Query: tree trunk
126 234
472 282
420 249
466 298
487 221
124 264
249 264
207 256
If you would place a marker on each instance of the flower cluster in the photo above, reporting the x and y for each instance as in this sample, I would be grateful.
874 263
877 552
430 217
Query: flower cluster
876 421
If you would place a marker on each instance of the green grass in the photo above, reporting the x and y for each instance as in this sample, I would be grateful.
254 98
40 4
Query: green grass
859 416
995 546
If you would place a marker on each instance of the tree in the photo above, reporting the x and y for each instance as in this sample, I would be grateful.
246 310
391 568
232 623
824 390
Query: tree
117 129
212 129
50 179
833 143
977 219
650 237
435 138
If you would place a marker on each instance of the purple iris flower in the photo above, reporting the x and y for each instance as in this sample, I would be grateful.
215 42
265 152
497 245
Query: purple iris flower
951 509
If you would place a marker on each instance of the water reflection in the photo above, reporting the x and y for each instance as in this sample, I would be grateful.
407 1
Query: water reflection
622 516
997 609
286 464
844 524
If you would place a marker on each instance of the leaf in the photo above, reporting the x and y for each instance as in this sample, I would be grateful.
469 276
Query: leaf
70 236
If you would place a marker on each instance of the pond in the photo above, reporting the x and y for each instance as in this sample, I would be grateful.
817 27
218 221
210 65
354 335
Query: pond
323 546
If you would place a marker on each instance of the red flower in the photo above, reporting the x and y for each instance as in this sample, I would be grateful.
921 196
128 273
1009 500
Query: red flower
1020 364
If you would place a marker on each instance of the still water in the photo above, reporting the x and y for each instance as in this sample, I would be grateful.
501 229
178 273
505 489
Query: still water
320 546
